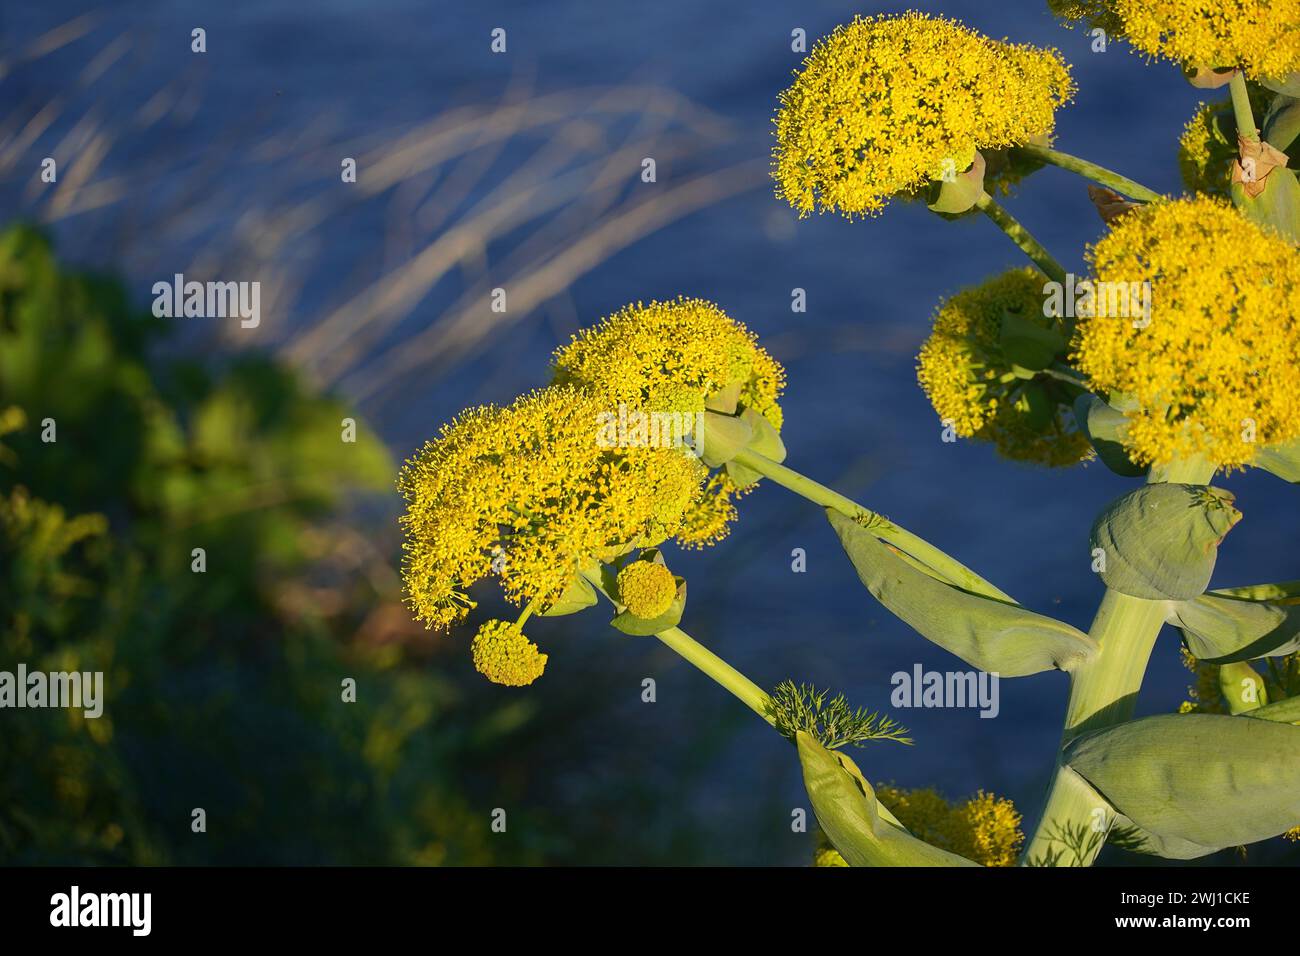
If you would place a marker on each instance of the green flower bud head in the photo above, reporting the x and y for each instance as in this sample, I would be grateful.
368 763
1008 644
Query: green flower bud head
981 368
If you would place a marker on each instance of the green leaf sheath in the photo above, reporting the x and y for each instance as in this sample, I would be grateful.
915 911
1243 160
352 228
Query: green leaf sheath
1221 629
1286 711
1160 542
1102 693
992 635
940 563
846 809
1206 779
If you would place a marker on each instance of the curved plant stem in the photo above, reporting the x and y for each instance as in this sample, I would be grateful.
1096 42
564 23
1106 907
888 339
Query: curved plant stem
692 651
942 564
1241 108
1102 693
1098 174
744 689
1021 237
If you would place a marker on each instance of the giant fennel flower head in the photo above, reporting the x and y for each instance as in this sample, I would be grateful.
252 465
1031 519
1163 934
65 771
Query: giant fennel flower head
1212 372
1260 36
885 104
530 493
677 357
977 387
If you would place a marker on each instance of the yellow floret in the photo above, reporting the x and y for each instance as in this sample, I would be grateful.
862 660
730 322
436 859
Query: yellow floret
984 828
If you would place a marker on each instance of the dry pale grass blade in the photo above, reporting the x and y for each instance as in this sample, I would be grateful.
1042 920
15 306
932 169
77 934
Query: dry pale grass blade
536 190
52 40
433 144
470 322
13 146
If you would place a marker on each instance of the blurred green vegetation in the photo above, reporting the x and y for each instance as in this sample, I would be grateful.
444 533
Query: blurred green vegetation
223 688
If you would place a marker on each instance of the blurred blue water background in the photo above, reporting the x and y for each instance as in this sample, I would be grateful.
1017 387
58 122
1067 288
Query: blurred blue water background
855 417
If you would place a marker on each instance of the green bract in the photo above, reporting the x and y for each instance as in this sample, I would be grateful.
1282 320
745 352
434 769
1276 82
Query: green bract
1105 426
629 623
1282 460
724 437
578 596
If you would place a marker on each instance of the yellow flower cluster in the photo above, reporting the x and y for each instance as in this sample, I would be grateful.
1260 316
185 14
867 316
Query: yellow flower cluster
529 492
984 828
709 518
505 656
885 104
1261 36
1213 374
673 357
1203 159
1095 13
972 384
1205 697
646 588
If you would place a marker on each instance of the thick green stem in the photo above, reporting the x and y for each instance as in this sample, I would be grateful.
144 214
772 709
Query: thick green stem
1098 174
1241 110
744 689
1021 237
946 566
1102 693
692 651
